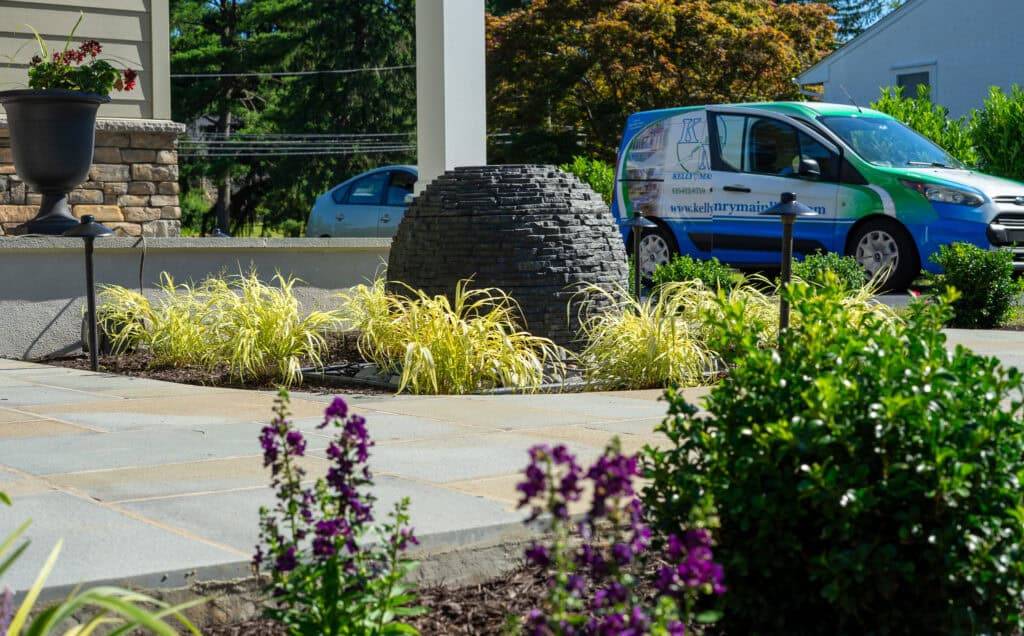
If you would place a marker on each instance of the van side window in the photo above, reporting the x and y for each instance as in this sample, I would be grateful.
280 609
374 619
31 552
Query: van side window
730 131
828 162
773 148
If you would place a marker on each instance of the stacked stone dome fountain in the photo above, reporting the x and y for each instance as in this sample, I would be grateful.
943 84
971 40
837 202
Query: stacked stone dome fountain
531 230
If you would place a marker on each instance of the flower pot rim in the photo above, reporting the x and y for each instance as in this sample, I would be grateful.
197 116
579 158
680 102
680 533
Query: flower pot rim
51 94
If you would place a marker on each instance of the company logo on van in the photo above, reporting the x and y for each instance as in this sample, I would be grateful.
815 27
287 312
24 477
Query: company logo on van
692 150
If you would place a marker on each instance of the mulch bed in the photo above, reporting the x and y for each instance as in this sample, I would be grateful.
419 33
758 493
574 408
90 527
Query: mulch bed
488 608
470 610
341 349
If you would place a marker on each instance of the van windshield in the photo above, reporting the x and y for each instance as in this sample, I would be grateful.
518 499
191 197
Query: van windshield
888 143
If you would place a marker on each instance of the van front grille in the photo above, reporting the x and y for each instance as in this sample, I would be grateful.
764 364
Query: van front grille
1017 200
1007 230
1011 220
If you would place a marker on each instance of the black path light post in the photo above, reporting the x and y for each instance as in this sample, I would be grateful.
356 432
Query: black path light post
638 223
787 209
89 230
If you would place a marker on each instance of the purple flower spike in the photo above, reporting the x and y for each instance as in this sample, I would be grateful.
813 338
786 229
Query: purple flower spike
286 561
337 410
296 443
538 555
268 441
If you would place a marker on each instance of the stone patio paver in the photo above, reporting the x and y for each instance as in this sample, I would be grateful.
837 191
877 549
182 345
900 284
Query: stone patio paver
149 480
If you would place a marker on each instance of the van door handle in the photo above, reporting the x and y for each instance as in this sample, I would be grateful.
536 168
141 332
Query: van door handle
385 218
734 188
340 217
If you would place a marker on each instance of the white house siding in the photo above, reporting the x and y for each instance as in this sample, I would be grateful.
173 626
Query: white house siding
966 45
133 32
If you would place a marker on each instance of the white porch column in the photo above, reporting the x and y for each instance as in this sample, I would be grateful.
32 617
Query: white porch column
451 111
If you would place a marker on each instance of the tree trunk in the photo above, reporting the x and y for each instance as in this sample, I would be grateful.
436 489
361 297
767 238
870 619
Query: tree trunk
223 206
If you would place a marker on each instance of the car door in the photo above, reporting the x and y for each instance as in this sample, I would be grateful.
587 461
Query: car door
359 213
750 176
401 184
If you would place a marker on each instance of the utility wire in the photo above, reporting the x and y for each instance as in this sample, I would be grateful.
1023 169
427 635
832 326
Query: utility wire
225 135
294 153
337 71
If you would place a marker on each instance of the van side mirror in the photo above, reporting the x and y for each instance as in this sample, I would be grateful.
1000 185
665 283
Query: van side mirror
809 168
408 198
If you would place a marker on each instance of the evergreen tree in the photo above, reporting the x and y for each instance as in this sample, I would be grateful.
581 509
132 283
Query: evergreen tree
214 36
336 34
852 17
233 36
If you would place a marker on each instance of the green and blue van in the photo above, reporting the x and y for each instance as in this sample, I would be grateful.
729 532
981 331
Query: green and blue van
884 194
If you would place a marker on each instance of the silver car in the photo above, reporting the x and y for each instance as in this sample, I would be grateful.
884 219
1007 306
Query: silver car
368 205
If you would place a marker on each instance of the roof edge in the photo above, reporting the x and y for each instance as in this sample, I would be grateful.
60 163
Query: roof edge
882 24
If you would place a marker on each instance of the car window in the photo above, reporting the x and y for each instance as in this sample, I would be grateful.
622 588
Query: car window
339 194
368 190
828 161
772 148
729 131
400 185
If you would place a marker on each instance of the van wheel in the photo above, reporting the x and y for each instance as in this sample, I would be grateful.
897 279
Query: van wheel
657 247
882 245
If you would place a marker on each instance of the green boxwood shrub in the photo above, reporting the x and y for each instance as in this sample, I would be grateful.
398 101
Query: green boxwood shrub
984 281
712 273
848 271
998 132
598 174
861 480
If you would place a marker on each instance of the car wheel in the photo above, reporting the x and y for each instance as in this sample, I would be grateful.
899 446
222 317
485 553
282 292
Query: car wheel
657 247
882 246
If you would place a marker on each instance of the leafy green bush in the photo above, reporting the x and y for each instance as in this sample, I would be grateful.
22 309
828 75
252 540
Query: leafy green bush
711 273
598 174
863 473
292 228
984 282
848 271
999 133
195 209
255 330
931 120
470 342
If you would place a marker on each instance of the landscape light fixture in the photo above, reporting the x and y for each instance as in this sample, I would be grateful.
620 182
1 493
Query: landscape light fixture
89 230
639 224
787 209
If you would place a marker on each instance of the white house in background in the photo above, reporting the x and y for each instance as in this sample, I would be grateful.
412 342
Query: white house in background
960 48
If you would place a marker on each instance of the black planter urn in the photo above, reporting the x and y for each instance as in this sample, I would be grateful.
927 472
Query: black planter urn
53 133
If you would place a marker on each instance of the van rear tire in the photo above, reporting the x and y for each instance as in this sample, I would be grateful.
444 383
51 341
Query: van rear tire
882 243
657 247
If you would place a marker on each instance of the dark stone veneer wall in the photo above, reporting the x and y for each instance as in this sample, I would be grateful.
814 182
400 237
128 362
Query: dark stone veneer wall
533 231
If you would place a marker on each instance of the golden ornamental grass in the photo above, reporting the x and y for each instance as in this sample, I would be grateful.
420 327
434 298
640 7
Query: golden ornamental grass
257 330
632 344
664 340
470 343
